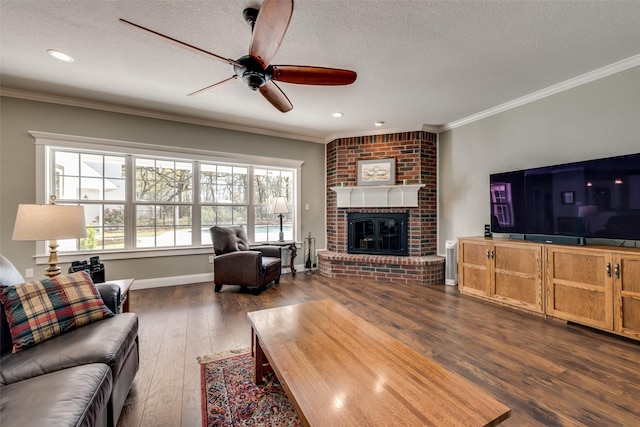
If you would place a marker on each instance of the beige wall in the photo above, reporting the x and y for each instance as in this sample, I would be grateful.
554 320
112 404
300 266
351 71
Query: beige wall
598 119
17 171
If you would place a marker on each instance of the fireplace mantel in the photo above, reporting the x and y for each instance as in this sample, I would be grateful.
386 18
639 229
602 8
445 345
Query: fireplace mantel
378 196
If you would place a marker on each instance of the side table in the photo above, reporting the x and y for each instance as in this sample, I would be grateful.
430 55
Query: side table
292 248
125 286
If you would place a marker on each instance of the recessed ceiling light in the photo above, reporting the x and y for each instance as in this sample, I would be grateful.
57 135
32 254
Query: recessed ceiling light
378 123
338 114
60 55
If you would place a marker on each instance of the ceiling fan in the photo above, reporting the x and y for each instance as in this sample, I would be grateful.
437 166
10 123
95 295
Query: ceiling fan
269 25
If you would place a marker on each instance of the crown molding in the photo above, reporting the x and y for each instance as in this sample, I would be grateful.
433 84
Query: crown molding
380 131
115 108
589 77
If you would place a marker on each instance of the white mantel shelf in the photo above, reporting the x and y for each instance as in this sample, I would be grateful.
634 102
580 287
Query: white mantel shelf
378 196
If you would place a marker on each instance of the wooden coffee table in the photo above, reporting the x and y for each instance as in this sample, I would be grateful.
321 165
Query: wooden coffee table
339 370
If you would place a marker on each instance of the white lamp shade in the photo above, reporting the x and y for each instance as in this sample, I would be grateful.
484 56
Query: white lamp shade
280 206
49 222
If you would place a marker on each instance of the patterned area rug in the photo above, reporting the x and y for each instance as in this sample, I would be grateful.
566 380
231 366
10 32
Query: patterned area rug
231 398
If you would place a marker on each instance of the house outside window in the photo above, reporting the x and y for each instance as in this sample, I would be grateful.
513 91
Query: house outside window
97 182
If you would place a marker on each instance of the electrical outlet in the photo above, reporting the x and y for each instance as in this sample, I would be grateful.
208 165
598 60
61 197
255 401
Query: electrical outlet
28 273
211 259
306 207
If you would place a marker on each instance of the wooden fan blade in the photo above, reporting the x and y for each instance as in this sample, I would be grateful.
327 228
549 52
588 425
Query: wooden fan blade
269 29
321 76
224 82
181 44
276 96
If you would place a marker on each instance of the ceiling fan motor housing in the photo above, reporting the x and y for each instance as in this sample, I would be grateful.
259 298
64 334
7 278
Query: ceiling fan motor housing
252 72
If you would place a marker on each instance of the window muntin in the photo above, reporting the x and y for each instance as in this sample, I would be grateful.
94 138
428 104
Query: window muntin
160 226
141 202
84 176
163 181
221 184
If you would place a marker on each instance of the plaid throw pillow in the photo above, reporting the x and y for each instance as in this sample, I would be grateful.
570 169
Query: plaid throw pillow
41 310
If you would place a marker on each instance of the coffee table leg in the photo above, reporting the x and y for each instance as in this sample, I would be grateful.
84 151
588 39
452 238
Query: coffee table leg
259 360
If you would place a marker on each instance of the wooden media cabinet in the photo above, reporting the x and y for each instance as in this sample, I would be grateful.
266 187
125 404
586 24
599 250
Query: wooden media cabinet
596 286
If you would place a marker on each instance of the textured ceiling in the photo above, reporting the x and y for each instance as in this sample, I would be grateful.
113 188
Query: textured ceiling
418 62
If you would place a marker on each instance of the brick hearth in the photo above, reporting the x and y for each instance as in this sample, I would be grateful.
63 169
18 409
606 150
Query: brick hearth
425 270
416 161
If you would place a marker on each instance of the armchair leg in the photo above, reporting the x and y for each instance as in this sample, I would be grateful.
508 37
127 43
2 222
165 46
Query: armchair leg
258 290
217 288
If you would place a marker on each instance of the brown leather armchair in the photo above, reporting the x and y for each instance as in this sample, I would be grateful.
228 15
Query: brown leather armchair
236 263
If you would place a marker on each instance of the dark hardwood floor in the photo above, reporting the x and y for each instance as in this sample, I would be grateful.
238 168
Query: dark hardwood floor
549 373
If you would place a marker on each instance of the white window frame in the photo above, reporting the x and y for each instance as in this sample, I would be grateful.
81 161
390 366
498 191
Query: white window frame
46 140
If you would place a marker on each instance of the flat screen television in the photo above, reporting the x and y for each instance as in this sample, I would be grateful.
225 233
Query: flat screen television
569 203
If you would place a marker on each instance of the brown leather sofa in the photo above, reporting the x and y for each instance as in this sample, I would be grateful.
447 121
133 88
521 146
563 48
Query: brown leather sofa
79 378
238 263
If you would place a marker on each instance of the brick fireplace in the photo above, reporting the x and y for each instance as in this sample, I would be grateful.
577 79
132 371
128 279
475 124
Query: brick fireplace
415 155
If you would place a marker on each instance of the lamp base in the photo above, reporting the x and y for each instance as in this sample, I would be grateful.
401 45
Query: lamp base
53 269
281 236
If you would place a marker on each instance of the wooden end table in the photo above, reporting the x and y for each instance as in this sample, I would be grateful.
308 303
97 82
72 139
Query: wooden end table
125 287
291 245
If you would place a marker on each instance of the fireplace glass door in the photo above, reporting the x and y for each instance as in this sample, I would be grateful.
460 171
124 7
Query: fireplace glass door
378 234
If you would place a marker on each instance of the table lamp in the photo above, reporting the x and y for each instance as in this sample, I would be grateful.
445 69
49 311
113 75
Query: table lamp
280 207
50 222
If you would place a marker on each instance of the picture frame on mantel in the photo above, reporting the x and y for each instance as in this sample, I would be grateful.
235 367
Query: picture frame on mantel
377 172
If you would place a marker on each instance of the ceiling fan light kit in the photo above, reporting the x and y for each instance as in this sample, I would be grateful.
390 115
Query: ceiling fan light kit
268 25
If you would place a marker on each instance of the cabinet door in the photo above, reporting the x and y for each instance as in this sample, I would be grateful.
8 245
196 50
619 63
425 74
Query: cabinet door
578 288
517 275
626 284
473 267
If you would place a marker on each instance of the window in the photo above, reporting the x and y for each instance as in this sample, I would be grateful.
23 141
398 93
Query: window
96 181
139 198
267 185
224 197
163 203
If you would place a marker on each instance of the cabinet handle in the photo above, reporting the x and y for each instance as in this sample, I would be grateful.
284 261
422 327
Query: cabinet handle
608 269
616 271
488 254
492 255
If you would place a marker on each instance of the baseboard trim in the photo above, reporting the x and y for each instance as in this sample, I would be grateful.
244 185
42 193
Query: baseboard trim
161 282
